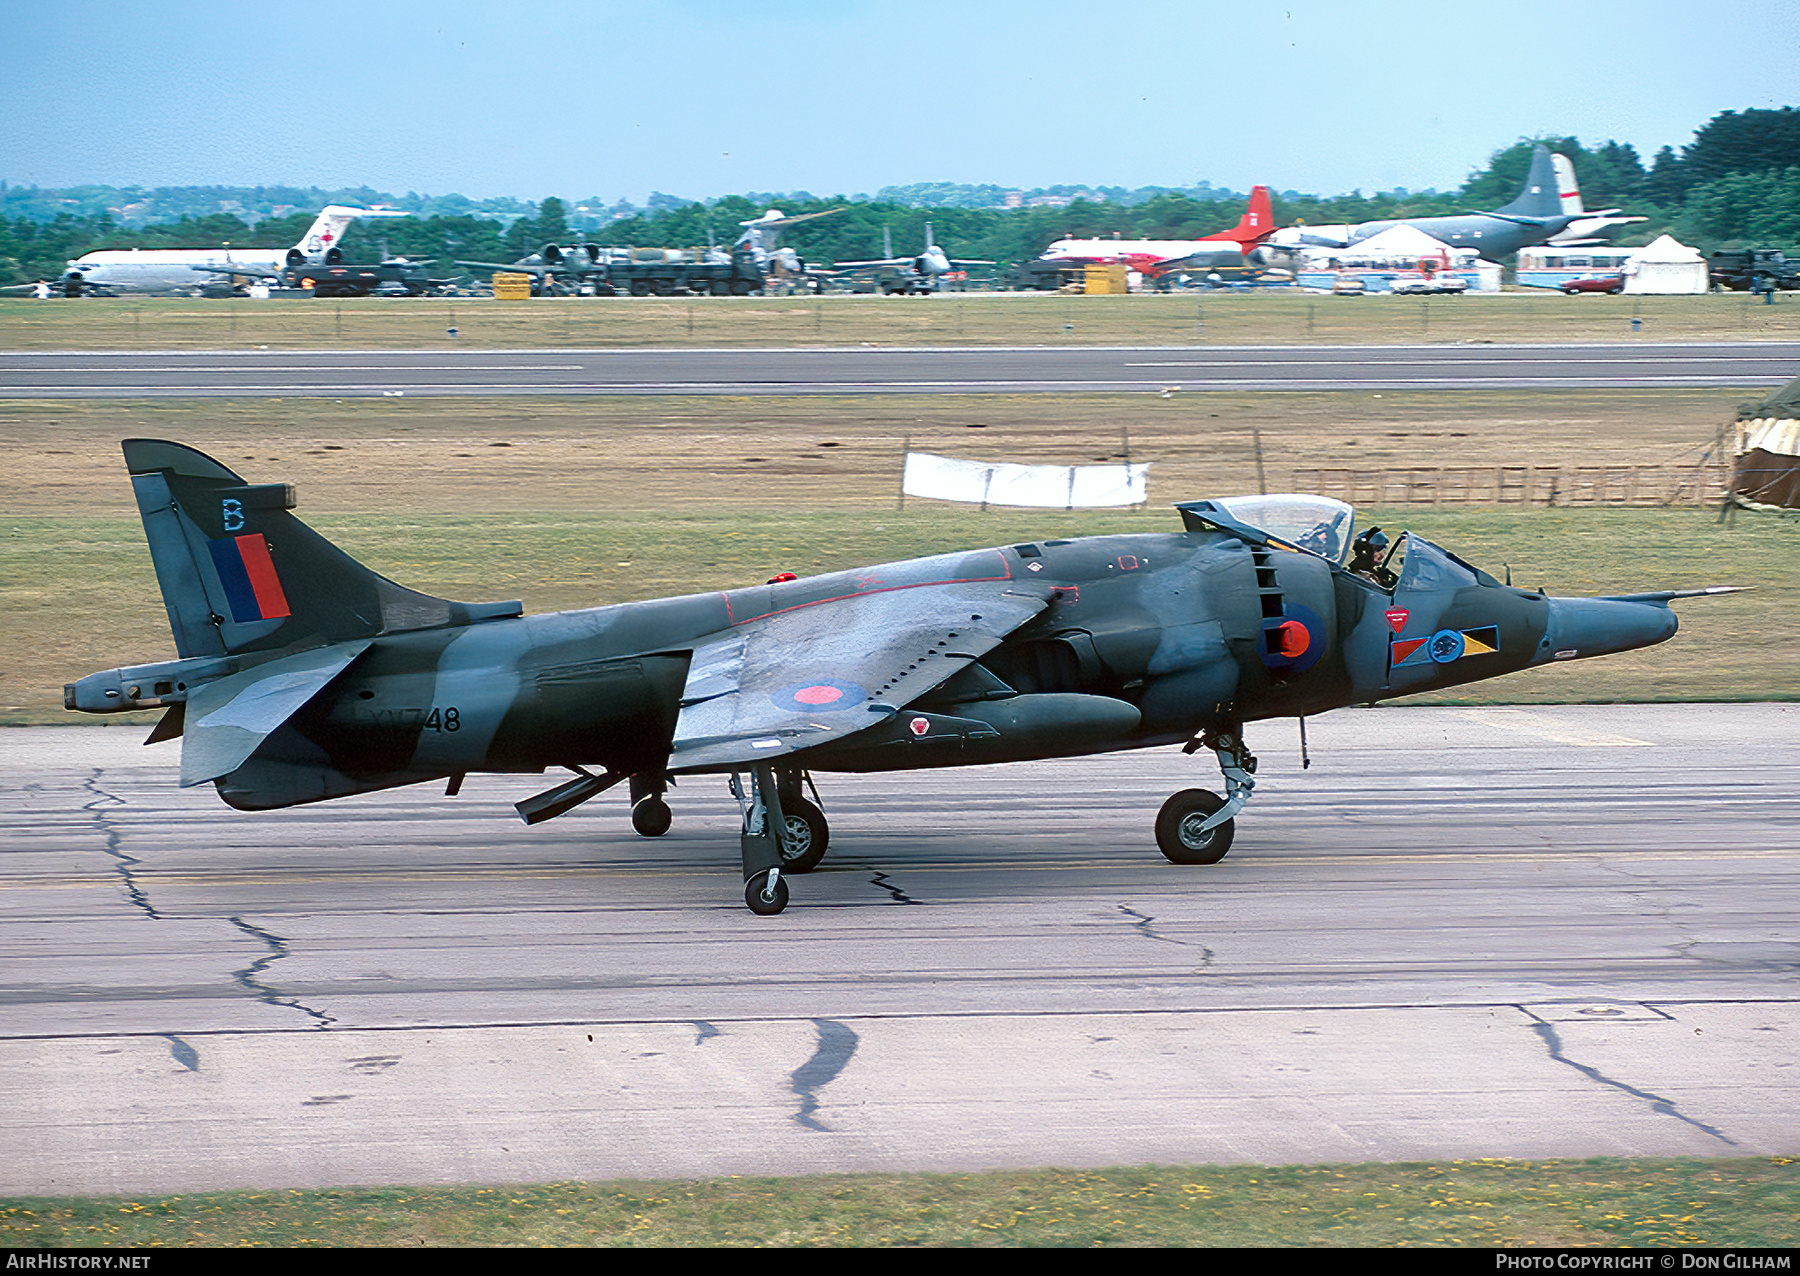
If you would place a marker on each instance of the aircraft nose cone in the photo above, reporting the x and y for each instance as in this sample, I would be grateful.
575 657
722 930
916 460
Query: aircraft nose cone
1582 627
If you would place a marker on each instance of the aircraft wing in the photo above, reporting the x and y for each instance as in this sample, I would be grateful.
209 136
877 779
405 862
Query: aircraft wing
885 261
517 270
226 720
795 679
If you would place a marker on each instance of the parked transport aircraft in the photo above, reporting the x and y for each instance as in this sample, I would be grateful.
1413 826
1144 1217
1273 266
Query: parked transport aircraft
1152 256
1537 215
189 269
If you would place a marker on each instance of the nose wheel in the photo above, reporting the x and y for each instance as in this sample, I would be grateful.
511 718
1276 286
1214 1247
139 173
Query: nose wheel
1182 832
1196 826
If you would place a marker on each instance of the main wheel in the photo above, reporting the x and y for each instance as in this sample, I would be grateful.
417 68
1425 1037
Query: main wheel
1178 832
651 817
762 901
807 835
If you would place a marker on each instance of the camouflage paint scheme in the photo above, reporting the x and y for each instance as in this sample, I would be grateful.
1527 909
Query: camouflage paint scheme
304 676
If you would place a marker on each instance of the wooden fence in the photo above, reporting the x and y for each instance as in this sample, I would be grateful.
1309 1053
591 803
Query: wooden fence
1573 485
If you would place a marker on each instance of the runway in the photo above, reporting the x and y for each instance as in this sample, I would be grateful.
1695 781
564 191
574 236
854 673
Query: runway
1531 932
866 370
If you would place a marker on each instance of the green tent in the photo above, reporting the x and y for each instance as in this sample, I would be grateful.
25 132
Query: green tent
1765 472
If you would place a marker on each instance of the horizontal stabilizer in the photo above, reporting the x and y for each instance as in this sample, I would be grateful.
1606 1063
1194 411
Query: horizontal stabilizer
226 720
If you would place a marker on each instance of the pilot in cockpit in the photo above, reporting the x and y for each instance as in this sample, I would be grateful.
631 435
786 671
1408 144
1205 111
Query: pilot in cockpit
1368 553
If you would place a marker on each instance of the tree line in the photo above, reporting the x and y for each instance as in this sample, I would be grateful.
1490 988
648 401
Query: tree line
1737 184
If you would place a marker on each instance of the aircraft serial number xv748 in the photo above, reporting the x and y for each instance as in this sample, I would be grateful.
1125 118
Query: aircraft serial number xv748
304 675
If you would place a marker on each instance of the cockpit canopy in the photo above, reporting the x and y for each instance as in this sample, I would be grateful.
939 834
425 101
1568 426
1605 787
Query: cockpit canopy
1315 523
1327 527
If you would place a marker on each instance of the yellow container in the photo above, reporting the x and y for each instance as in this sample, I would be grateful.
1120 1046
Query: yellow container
511 286
1100 280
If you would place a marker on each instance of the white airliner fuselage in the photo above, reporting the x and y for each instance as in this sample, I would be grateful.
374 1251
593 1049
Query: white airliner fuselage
187 269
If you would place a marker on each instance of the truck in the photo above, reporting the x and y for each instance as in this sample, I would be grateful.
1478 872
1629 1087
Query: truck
394 277
1755 270
668 273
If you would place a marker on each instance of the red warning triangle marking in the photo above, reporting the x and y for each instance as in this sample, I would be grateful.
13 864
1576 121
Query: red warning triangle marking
1397 617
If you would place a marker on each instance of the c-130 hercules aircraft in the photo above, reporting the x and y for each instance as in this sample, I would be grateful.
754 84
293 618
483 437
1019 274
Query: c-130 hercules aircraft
304 675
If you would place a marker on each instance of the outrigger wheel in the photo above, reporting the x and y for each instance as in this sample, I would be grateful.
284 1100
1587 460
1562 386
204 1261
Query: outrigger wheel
651 817
1178 832
650 814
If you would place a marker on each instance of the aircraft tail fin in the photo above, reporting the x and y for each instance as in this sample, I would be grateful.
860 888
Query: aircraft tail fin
240 573
1257 223
329 226
1540 197
1568 191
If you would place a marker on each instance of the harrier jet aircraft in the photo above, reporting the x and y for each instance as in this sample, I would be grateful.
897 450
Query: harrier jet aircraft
554 269
302 675
922 273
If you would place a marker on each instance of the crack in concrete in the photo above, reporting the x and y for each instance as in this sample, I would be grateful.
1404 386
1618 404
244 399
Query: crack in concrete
1145 925
900 897
836 1044
248 977
1658 1104
114 836
1643 892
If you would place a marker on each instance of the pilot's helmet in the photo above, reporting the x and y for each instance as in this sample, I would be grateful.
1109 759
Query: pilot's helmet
1375 540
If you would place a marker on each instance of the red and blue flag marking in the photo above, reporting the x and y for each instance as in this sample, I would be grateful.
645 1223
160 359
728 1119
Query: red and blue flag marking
1446 646
248 575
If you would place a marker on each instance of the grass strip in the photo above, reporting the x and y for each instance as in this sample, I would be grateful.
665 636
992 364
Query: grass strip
951 319
1482 1203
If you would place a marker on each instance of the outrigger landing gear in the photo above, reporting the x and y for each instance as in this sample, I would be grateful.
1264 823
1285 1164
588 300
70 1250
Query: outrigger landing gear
650 814
1196 826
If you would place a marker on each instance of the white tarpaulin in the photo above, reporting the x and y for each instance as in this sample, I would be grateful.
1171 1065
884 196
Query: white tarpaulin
944 478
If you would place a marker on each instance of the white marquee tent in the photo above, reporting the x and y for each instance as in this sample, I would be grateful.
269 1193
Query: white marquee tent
1665 266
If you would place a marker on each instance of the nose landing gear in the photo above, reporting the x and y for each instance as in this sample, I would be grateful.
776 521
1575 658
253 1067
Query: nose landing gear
1195 826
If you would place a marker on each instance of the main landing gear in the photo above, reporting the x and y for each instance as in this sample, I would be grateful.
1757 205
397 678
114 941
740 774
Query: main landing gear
1195 826
783 834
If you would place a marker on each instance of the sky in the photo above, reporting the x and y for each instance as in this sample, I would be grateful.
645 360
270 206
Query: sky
701 98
